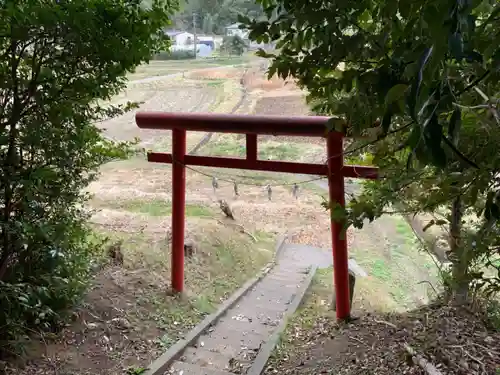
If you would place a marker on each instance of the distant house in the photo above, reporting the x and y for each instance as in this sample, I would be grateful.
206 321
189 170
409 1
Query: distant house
180 38
234 29
206 40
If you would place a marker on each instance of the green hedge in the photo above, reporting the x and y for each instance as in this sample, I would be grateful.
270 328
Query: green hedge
175 55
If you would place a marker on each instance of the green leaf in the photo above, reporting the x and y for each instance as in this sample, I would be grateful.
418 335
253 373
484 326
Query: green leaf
404 7
365 17
492 17
433 133
454 125
264 54
459 154
415 137
495 211
417 82
386 120
395 93
456 45
471 25
409 160
473 56
473 195
337 212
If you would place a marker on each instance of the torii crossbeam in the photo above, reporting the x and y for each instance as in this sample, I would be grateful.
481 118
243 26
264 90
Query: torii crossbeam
252 126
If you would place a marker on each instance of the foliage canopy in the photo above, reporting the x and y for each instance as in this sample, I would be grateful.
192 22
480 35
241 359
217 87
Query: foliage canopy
419 81
59 60
213 16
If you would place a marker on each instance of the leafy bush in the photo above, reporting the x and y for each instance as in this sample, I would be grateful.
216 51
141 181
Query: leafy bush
175 55
233 45
421 90
37 298
59 61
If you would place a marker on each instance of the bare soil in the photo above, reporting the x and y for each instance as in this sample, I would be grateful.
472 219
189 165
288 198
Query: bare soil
226 73
455 340
278 97
257 80
289 105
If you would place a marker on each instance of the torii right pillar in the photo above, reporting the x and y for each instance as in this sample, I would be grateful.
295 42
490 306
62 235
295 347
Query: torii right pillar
335 159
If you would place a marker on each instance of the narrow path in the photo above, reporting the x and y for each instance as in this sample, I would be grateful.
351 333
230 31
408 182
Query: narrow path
231 345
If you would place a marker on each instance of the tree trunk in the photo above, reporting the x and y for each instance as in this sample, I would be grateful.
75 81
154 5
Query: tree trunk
459 286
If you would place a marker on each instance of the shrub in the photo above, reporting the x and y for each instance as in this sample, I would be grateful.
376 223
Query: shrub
233 45
60 59
175 55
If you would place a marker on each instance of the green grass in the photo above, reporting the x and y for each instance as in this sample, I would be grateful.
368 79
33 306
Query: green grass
210 278
156 207
396 269
279 151
381 270
226 145
231 145
215 82
165 67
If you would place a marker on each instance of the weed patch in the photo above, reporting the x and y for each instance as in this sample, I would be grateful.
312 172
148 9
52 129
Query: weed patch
399 271
154 207
279 151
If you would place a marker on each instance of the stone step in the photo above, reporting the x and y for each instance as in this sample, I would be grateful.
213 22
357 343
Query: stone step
231 343
183 368
263 316
277 286
263 304
205 357
284 272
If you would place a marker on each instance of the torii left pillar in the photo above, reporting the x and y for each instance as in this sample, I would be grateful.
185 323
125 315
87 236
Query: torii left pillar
178 207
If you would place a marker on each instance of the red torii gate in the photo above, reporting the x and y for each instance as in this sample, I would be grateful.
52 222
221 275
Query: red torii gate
251 126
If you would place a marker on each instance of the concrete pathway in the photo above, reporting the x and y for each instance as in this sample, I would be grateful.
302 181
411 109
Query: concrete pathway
231 345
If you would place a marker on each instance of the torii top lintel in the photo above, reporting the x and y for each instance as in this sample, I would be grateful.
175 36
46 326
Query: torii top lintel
305 126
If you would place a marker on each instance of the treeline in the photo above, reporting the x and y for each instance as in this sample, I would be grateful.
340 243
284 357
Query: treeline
212 16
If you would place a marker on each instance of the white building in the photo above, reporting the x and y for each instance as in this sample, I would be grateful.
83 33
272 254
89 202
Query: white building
180 38
234 29
207 40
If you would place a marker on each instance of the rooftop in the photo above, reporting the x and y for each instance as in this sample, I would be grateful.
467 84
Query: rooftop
174 32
